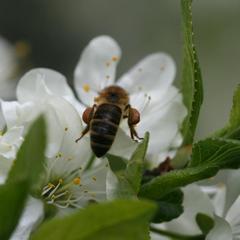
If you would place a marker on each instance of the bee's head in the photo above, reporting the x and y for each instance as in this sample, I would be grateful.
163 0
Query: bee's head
113 94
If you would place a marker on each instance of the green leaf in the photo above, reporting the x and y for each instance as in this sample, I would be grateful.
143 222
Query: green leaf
126 182
191 76
13 196
169 207
208 157
204 222
120 219
22 177
116 163
120 187
30 156
232 130
216 153
234 120
134 170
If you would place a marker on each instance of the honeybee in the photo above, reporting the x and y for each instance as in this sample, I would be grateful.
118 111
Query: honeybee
103 118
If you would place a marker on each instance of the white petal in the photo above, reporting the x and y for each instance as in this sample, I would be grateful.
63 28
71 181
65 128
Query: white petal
32 216
163 121
219 200
232 188
156 71
64 125
64 128
93 184
10 142
13 136
162 116
87 97
123 145
17 114
233 216
195 201
41 82
220 231
55 131
96 68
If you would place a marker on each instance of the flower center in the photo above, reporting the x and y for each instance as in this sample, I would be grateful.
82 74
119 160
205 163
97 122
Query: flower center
60 194
86 87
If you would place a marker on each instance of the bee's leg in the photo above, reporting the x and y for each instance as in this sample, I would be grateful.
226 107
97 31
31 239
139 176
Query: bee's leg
87 117
133 119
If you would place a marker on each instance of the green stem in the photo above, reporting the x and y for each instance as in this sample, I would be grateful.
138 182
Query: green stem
90 162
176 236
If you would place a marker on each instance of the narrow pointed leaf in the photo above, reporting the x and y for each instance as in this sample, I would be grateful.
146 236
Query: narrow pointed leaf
232 129
134 170
191 75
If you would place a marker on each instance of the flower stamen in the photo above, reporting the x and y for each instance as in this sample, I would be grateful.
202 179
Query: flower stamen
86 87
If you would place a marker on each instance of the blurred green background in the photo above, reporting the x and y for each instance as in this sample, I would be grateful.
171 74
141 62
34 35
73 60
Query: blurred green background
58 30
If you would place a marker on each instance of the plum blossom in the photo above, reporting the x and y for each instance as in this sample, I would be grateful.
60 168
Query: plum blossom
149 84
225 197
65 183
220 201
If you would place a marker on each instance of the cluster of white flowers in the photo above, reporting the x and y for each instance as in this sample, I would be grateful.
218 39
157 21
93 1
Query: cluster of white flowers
219 199
66 183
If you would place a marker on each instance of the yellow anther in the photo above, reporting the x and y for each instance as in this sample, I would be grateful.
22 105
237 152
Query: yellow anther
94 178
60 180
86 87
114 58
77 180
65 129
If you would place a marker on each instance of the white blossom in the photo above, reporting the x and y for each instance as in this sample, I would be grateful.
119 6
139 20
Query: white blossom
150 88
65 184
220 201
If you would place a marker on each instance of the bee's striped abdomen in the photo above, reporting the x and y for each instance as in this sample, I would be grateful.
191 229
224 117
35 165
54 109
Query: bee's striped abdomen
104 126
